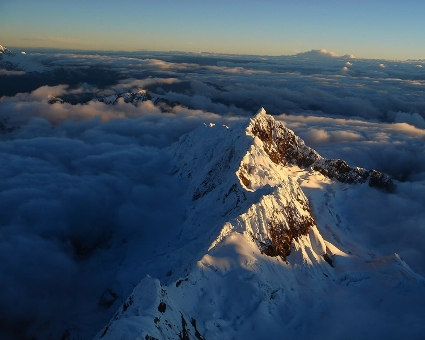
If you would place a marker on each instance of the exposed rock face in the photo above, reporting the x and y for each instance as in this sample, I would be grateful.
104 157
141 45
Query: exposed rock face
281 232
164 104
54 100
284 147
280 143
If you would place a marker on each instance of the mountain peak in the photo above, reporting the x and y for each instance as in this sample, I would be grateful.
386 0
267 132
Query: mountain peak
4 50
323 54
261 112
286 148
250 245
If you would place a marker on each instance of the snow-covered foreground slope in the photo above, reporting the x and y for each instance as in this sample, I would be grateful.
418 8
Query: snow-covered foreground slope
253 257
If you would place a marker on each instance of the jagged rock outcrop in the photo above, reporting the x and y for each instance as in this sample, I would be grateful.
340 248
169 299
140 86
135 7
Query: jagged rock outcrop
128 97
164 104
284 147
55 100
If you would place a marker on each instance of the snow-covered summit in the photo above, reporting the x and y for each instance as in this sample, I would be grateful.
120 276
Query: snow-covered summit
4 50
261 112
254 256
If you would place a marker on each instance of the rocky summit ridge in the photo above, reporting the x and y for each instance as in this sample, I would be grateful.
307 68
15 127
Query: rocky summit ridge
253 258
285 147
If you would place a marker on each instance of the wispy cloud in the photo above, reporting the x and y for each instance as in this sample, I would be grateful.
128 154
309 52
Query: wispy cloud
11 73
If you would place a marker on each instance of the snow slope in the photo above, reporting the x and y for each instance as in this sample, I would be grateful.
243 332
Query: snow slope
253 257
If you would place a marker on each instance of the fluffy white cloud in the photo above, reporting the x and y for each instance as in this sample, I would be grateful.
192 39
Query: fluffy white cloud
316 136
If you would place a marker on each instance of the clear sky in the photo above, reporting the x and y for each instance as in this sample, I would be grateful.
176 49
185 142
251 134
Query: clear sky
390 29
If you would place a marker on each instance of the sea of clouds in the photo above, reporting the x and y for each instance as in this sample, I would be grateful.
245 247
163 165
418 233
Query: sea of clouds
81 179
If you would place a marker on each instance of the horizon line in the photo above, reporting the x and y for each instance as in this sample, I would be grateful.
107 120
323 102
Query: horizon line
329 56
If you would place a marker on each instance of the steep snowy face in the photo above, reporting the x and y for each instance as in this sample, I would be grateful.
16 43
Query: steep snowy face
250 247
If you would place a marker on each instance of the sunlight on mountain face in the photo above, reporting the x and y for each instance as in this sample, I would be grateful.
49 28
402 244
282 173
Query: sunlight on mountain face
269 250
150 197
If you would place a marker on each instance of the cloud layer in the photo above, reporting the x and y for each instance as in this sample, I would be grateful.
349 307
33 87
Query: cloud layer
82 180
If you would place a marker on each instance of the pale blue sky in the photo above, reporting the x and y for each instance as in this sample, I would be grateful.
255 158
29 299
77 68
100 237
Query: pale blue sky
372 29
